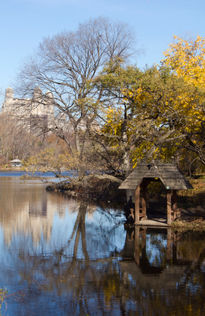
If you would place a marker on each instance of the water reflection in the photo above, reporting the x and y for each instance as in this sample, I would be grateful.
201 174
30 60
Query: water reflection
166 270
24 209
62 257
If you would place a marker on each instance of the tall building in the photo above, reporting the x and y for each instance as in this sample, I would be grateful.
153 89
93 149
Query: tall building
37 111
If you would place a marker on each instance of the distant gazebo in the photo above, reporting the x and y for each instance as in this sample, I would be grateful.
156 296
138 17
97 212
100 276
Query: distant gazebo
143 174
16 163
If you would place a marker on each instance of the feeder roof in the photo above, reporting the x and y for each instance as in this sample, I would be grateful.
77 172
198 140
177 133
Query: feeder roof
168 173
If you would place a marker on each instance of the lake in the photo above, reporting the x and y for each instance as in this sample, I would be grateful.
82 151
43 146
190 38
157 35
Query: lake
63 257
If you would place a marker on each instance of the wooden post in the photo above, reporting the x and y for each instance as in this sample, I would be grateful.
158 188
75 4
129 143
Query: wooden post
144 207
174 204
137 205
175 239
144 199
169 207
137 245
174 198
169 244
144 235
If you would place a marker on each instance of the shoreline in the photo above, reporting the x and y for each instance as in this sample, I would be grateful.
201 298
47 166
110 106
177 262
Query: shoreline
103 190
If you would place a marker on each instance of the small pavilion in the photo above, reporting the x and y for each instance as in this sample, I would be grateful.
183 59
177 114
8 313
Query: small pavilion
142 175
16 163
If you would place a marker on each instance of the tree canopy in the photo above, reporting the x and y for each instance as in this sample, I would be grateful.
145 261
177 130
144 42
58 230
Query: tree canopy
118 114
66 65
187 60
159 114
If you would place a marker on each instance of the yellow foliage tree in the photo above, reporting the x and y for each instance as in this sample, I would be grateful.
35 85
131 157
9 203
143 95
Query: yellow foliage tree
187 59
164 114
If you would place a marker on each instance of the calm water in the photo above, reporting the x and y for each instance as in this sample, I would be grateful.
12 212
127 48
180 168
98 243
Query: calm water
19 173
61 257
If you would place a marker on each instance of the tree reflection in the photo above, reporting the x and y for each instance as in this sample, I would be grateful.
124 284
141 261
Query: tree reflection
173 283
70 272
156 272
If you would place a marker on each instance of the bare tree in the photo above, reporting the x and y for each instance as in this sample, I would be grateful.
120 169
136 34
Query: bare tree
66 65
15 139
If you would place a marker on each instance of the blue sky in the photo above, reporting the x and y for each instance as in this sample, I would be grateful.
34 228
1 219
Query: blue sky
24 23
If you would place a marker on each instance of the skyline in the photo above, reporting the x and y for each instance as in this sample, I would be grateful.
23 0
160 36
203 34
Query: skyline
25 23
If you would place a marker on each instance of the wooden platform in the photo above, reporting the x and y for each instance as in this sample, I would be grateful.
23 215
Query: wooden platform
157 222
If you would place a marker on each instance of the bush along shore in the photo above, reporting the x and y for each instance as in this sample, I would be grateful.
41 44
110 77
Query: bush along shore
93 188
